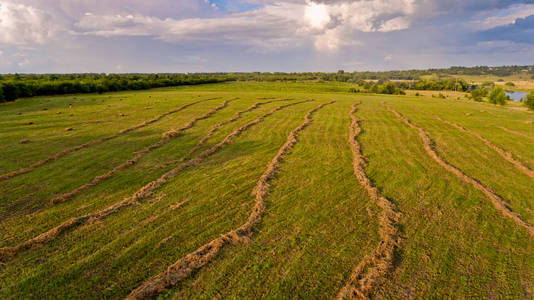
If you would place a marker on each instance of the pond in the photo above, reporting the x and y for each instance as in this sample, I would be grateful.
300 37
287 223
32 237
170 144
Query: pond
516 95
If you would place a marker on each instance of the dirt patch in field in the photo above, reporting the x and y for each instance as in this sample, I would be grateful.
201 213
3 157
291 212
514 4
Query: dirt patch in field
97 141
506 155
184 267
167 137
371 270
496 200
146 191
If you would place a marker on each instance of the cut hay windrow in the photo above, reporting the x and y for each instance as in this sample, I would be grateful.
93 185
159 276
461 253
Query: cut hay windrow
506 155
371 270
517 133
144 192
97 141
215 127
166 138
185 266
495 199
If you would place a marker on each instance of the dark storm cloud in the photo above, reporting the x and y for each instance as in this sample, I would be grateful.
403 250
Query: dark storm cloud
521 31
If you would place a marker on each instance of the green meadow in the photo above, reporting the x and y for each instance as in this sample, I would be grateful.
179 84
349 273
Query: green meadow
319 222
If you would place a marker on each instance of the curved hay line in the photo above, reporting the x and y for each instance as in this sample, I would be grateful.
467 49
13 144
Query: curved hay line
495 199
97 141
504 154
166 138
371 270
147 190
184 267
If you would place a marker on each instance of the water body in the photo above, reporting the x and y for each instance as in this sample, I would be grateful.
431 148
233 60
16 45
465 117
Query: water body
516 95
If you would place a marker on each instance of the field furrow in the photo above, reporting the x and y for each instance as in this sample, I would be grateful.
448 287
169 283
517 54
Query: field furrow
196 260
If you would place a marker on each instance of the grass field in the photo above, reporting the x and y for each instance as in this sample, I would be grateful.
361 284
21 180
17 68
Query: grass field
265 190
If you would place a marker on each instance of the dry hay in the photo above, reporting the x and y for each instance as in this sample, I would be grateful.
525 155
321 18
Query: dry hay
496 200
517 133
144 192
506 155
94 142
371 270
167 137
215 127
183 268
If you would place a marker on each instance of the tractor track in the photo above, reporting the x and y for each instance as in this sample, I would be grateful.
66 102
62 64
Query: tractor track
495 199
97 141
185 266
8 252
166 138
371 270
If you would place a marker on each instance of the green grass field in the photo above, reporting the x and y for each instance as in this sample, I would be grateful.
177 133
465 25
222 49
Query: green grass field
317 224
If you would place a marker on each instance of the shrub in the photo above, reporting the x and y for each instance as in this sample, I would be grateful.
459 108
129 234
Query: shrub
479 94
529 100
509 83
498 96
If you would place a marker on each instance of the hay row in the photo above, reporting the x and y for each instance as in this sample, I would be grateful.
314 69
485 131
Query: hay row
166 138
371 270
517 133
496 200
184 267
215 127
97 141
147 190
506 155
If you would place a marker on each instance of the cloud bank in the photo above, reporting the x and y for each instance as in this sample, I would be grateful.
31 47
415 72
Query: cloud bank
209 35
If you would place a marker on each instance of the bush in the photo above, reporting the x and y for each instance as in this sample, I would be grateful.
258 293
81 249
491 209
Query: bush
509 83
498 96
479 94
529 100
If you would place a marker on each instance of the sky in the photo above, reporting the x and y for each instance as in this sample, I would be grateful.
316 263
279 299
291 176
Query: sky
124 36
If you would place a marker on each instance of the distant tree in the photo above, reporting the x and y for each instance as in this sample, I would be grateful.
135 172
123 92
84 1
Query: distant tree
1 94
479 94
498 96
529 100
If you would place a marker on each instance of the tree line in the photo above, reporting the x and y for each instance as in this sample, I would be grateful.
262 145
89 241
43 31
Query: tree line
17 86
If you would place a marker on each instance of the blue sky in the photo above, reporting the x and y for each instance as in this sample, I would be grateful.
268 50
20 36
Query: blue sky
261 35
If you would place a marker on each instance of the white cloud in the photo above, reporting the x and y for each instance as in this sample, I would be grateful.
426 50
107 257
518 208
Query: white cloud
323 24
513 13
21 24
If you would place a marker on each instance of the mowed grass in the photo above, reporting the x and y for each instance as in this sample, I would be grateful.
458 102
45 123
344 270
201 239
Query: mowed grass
319 222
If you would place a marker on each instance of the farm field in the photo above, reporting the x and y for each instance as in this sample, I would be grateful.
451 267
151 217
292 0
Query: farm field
265 190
